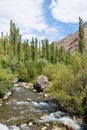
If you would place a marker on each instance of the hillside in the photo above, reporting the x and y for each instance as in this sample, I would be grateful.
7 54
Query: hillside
70 43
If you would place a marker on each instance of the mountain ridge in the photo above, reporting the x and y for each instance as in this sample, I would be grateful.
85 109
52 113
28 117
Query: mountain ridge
70 43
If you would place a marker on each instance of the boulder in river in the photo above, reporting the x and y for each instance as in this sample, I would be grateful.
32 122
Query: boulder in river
69 126
41 83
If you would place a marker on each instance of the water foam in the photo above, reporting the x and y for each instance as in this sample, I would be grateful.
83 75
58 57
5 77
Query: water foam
60 117
3 127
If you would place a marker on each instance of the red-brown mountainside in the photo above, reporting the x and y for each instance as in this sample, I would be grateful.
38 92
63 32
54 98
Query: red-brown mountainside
70 43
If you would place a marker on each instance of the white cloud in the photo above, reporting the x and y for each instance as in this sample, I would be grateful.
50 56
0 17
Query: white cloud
29 17
26 13
53 4
29 36
69 10
51 30
4 25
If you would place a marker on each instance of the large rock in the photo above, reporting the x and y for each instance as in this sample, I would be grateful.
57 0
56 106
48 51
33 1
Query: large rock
69 126
41 83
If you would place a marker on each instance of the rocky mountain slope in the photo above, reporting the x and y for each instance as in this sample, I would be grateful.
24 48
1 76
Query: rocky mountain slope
70 43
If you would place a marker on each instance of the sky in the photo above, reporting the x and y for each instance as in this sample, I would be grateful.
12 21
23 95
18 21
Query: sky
52 19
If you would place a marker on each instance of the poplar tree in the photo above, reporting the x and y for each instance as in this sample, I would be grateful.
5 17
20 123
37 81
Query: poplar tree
52 53
32 49
43 48
61 54
39 49
56 54
81 36
4 45
14 39
36 49
19 49
27 50
47 49
11 38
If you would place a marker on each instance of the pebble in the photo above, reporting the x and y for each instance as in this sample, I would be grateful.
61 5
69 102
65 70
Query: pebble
56 128
7 95
29 100
34 90
46 124
0 105
45 95
30 124
43 116
44 128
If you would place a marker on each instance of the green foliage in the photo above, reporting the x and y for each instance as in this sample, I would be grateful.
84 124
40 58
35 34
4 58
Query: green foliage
31 69
19 50
6 81
61 54
2 90
14 39
40 64
22 74
81 36
33 49
47 49
54 54
36 49
69 82
43 49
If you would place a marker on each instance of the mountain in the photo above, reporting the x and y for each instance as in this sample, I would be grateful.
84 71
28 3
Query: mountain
70 43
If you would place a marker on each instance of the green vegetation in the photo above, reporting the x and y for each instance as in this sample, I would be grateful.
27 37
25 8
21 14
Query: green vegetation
81 36
26 60
69 82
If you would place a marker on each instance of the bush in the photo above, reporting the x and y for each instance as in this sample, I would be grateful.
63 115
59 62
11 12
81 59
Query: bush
6 81
23 74
2 90
40 64
66 86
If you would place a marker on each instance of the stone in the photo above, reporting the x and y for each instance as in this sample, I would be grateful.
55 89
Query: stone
28 85
43 116
7 95
46 124
25 85
45 95
34 90
56 128
41 83
44 128
69 126
0 105
29 100
30 124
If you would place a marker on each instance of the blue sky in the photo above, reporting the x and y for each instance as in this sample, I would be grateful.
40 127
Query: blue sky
52 19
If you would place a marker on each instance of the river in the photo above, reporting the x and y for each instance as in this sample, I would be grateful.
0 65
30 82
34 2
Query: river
28 110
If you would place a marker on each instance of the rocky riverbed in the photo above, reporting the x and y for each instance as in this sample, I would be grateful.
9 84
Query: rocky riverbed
26 109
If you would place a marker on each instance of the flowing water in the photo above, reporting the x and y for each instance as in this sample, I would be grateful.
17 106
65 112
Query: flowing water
25 106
